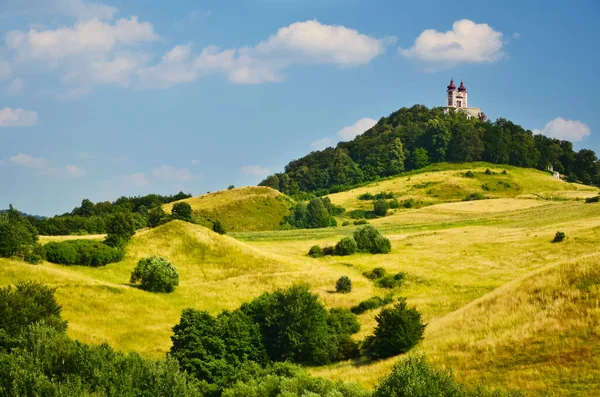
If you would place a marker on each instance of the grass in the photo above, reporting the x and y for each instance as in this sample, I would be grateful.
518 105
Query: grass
250 208
504 306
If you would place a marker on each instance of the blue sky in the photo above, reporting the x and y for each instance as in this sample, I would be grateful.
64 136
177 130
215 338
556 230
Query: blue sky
104 99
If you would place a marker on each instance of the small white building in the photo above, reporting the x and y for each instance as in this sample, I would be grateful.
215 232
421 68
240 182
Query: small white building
556 175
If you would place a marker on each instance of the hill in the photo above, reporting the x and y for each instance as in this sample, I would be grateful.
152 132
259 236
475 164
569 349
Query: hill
250 208
411 138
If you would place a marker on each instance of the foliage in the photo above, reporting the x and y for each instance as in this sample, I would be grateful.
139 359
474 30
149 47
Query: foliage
346 246
318 213
120 227
372 303
558 237
230 187
328 251
360 222
380 207
390 281
343 285
315 251
374 274
594 199
182 210
155 274
419 158
415 377
218 227
345 223
369 239
156 216
398 330
82 252
474 196
18 237
469 174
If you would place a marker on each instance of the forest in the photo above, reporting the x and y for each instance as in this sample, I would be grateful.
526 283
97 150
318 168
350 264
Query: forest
412 138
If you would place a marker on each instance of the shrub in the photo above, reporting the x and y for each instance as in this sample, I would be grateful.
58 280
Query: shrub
218 227
394 203
485 187
230 187
156 216
380 207
474 196
368 239
371 303
345 223
343 285
390 281
155 274
315 251
398 330
82 252
182 210
470 174
365 196
488 172
328 251
35 254
408 203
504 172
593 199
558 237
361 222
346 246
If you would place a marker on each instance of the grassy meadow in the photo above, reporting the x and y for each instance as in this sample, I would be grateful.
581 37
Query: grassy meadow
505 306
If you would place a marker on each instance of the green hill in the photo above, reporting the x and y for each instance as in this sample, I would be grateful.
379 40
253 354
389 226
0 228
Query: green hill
248 208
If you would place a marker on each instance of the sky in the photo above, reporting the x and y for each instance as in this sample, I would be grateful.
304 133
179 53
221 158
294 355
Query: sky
118 98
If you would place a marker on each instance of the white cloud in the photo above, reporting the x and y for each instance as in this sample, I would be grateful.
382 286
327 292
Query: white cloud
256 170
15 88
321 144
168 173
559 128
28 161
74 171
466 42
136 180
350 132
17 117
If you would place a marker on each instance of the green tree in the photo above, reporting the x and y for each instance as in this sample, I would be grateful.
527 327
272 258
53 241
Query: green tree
419 158
156 216
18 237
343 285
155 274
120 227
218 227
346 246
369 239
182 211
316 214
398 330
440 138
380 207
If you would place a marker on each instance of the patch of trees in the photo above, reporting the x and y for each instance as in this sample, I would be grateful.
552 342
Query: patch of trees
366 239
82 252
91 218
155 274
594 199
318 212
18 237
411 138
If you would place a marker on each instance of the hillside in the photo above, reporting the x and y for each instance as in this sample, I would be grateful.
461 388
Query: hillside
243 209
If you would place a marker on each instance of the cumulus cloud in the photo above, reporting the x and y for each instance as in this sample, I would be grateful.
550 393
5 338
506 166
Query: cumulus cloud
15 88
321 144
350 132
17 117
466 42
28 161
559 128
256 170
168 173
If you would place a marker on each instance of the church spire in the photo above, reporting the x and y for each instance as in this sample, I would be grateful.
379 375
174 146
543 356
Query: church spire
451 87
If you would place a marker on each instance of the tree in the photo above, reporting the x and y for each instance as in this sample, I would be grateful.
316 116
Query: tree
120 228
419 158
182 211
155 274
440 138
218 227
156 216
18 237
343 285
398 330
369 239
346 246
380 207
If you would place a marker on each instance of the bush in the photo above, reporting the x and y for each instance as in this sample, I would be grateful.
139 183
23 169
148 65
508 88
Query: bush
371 303
593 199
368 239
398 330
156 216
218 227
328 251
315 251
345 223
35 254
558 237
504 172
365 196
361 222
474 196
18 237
408 203
82 252
377 272
343 285
390 281
230 187
485 187
120 227
488 172
182 210
394 203
346 246
380 207
470 174
155 274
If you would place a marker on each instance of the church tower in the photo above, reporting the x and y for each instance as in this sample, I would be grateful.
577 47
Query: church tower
451 94
461 98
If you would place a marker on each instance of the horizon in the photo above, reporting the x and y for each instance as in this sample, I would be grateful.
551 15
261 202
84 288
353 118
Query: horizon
106 99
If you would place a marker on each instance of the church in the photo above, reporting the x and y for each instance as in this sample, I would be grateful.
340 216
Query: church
457 100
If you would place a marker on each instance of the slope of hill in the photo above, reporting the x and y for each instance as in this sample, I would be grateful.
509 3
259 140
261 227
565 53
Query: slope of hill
248 208
448 182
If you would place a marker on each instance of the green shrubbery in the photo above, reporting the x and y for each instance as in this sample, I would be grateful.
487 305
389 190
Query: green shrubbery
369 239
343 285
218 227
380 207
378 275
558 237
318 212
469 174
155 274
182 211
18 237
595 199
346 246
120 227
372 303
398 330
316 251
474 196
82 252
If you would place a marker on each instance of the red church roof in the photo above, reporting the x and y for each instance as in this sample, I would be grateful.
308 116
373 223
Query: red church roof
462 87
451 87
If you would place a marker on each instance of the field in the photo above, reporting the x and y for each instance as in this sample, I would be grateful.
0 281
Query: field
505 306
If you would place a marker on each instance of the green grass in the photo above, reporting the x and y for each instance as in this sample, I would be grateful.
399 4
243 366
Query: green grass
504 306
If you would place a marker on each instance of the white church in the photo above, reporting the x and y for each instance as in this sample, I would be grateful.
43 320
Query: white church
457 100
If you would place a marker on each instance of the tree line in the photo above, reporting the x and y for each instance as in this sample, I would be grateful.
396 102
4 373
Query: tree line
412 138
